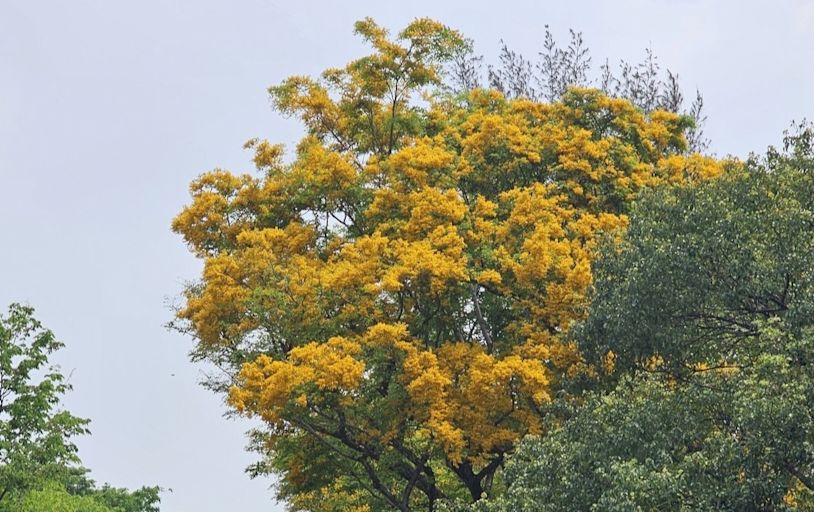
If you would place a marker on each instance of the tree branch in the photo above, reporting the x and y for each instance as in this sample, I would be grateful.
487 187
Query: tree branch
484 328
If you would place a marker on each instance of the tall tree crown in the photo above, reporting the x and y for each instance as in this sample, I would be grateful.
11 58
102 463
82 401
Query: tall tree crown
394 303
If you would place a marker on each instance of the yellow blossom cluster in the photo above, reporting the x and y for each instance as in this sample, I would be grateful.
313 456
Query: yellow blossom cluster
269 386
409 280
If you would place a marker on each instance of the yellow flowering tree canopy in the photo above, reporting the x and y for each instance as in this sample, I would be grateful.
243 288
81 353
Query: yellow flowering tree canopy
394 302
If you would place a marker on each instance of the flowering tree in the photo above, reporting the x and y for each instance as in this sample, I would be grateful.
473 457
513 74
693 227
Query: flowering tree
394 303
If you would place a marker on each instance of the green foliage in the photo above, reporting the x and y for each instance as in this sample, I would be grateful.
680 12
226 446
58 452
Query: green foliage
702 320
84 496
144 499
712 443
35 436
56 499
39 466
701 265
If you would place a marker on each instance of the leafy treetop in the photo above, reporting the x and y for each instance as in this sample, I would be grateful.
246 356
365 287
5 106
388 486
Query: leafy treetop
395 302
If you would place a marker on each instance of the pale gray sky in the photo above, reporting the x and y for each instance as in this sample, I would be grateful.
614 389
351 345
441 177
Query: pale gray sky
109 108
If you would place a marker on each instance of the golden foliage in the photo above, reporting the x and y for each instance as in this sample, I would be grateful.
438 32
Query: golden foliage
428 263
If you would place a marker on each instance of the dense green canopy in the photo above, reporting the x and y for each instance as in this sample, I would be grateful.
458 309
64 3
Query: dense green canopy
702 320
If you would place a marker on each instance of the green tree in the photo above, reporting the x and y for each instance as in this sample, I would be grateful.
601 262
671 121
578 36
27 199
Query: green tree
54 498
703 324
35 436
39 465
144 499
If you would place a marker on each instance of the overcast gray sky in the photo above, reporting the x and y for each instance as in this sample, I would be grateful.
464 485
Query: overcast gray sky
109 108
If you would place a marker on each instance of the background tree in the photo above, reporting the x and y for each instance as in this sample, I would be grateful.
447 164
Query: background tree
117 499
38 460
35 437
56 499
702 318
394 303
559 68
